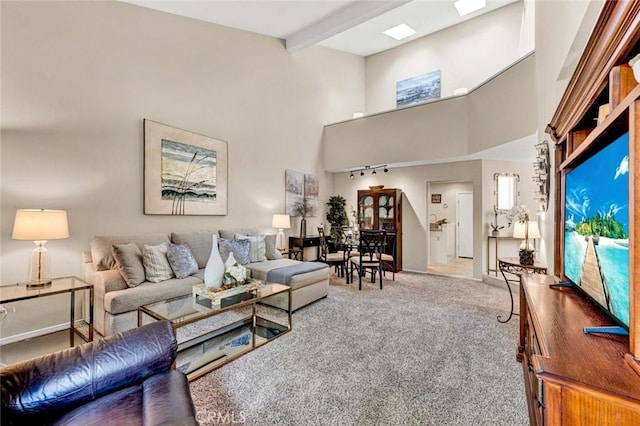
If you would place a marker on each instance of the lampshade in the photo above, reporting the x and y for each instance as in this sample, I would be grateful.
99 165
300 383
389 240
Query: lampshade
34 225
281 221
519 230
524 230
534 231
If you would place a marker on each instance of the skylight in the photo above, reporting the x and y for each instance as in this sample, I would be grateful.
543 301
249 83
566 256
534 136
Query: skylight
466 7
400 31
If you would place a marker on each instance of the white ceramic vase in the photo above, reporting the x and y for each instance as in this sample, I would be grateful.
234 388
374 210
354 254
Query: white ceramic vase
214 270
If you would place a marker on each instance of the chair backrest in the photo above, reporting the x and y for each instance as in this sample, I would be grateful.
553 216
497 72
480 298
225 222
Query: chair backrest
390 243
324 247
371 244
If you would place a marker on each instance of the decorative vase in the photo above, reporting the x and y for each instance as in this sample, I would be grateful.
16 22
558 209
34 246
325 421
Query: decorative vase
495 233
214 270
636 71
526 257
303 228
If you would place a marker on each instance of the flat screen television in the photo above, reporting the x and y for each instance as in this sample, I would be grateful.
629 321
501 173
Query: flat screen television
596 228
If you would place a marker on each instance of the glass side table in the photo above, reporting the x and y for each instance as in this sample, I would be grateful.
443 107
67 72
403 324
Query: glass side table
19 292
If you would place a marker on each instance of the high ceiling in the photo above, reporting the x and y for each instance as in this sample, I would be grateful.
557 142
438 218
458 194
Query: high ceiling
346 25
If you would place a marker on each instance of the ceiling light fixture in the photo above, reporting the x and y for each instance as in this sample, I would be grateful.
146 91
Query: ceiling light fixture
400 32
372 168
465 7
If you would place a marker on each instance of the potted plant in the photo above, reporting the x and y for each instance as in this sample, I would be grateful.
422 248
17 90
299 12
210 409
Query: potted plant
337 215
495 229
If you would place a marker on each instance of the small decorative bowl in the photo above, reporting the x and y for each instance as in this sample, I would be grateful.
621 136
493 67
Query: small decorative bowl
376 187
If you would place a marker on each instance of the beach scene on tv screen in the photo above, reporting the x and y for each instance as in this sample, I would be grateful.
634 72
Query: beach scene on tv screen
596 238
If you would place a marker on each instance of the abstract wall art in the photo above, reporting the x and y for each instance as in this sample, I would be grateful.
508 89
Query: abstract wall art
416 90
185 173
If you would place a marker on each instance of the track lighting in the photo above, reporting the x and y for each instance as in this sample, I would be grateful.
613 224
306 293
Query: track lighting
372 168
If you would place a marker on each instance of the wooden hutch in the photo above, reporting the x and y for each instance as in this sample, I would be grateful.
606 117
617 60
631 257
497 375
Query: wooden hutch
380 208
572 377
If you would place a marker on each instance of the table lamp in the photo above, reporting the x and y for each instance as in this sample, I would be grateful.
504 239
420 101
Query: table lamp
39 226
526 230
280 221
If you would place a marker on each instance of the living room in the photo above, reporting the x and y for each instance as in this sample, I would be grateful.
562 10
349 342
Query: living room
78 79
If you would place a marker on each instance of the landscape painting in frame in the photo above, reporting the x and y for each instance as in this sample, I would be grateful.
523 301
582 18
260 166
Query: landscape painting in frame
185 173
311 194
416 90
294 191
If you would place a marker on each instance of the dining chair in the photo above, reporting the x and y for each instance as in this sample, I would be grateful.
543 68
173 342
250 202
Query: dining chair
369 256
338 259
389 254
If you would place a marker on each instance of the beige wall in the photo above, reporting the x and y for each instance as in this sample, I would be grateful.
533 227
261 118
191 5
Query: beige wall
466 54
498 112
79 77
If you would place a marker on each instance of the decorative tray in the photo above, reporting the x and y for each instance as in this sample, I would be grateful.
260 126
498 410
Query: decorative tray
217 294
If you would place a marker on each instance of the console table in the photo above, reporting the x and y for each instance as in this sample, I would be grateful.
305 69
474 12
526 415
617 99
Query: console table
512 265
304 242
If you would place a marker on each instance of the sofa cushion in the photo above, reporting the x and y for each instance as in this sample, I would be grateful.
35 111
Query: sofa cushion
155 262
240 249
129 262
259 271
101 247
270 247
198 241
117 302
257 247
181 260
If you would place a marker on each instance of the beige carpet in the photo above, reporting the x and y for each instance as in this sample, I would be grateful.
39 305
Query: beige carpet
425 350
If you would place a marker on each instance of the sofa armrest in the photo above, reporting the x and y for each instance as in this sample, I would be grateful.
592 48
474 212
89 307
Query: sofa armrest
63 380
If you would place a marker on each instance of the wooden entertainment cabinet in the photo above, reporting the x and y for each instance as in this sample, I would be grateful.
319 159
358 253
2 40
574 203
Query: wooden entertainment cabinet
574 378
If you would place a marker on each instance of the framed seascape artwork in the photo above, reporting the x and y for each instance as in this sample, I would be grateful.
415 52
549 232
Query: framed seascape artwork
416 90
185 173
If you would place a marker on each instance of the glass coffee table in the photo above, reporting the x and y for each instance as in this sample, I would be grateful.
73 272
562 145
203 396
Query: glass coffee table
210 335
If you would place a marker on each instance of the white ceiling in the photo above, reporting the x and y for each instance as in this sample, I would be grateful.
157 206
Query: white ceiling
346 25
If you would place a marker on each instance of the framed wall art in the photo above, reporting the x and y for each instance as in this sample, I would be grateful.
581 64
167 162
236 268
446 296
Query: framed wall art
185 173
415 90
311 194
294 191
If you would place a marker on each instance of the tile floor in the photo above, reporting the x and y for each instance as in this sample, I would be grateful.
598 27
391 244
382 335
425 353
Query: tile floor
460 267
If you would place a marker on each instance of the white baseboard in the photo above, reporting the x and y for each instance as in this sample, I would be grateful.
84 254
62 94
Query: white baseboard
34 333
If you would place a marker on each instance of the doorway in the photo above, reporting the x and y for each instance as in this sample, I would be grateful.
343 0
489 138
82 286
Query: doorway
447 255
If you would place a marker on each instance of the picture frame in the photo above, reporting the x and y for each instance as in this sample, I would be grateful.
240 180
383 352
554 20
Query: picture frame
294 191
436 198
185 173
419 89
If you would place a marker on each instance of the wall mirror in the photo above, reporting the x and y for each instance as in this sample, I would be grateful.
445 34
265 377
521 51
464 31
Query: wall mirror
506 191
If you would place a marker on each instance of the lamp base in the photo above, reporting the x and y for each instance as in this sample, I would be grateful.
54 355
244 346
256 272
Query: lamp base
526 257
36 284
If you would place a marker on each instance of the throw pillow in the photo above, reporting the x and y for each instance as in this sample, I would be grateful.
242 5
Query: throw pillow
270 247
198 241
181 260
156 264
129 263
257 249
240 249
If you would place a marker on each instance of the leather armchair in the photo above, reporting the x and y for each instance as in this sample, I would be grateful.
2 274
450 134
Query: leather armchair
123 379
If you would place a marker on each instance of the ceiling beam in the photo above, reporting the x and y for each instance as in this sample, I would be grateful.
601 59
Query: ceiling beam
354 14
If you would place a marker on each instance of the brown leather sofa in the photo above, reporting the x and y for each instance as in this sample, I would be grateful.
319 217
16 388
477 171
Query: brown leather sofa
123 379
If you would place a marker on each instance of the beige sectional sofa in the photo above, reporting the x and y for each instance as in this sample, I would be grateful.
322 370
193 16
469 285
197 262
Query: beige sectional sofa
116 303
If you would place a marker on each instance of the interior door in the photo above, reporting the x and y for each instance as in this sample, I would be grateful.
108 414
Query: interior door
464 224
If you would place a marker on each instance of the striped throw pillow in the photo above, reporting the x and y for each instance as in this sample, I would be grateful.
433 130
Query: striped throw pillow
156 264
257 247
